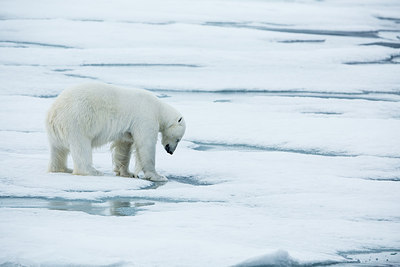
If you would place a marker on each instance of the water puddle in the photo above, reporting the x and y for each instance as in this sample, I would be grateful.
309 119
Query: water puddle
222 101
112 206
24 44
109 207
62 70
301 41
393 59
395 20
191 180
81 76
163 96
322 113
140 65
384 179
207 146
378 257
43 96
386 44
116 206
360 34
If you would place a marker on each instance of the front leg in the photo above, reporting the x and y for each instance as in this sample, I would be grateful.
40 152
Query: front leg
138 165
146 153
121 157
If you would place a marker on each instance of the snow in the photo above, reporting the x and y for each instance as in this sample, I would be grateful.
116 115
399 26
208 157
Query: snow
291 155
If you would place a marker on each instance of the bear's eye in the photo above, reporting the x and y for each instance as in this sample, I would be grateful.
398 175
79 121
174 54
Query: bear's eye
180 119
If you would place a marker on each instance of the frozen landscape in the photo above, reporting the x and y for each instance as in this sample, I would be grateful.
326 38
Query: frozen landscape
291 155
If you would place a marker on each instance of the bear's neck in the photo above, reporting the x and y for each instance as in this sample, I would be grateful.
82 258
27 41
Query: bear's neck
167 116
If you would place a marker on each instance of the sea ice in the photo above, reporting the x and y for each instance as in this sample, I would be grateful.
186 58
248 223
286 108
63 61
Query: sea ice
292 150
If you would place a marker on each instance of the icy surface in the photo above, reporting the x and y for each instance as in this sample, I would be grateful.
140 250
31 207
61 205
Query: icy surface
292 150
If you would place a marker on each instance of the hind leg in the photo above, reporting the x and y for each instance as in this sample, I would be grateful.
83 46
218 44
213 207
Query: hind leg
121 157
58 159
81 152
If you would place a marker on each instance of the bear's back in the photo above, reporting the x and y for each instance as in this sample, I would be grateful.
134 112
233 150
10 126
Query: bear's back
104 97
101 111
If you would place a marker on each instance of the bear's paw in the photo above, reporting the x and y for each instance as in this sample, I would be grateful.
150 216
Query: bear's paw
154 177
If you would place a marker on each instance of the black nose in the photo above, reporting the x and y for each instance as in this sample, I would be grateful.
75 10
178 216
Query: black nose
168 149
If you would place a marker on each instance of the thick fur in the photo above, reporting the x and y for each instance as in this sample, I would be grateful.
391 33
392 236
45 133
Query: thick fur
91 115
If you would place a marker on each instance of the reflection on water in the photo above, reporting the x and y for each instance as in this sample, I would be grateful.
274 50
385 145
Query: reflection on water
111 207
116 206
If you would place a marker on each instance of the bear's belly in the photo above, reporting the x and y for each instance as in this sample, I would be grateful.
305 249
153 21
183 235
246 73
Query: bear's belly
104 138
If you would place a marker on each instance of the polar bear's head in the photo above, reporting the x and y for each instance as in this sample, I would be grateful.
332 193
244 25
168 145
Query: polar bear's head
173 134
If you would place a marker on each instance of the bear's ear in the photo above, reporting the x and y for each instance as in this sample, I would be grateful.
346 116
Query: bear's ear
180 119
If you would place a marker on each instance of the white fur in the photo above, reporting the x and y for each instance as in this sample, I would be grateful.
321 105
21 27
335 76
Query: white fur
91 115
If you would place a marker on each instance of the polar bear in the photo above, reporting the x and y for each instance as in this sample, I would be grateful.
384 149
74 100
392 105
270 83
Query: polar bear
91 115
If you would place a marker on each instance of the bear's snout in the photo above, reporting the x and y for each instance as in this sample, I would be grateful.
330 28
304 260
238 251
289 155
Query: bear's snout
168 149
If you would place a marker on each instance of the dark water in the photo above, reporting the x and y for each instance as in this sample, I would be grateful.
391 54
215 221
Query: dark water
206 146
360 34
